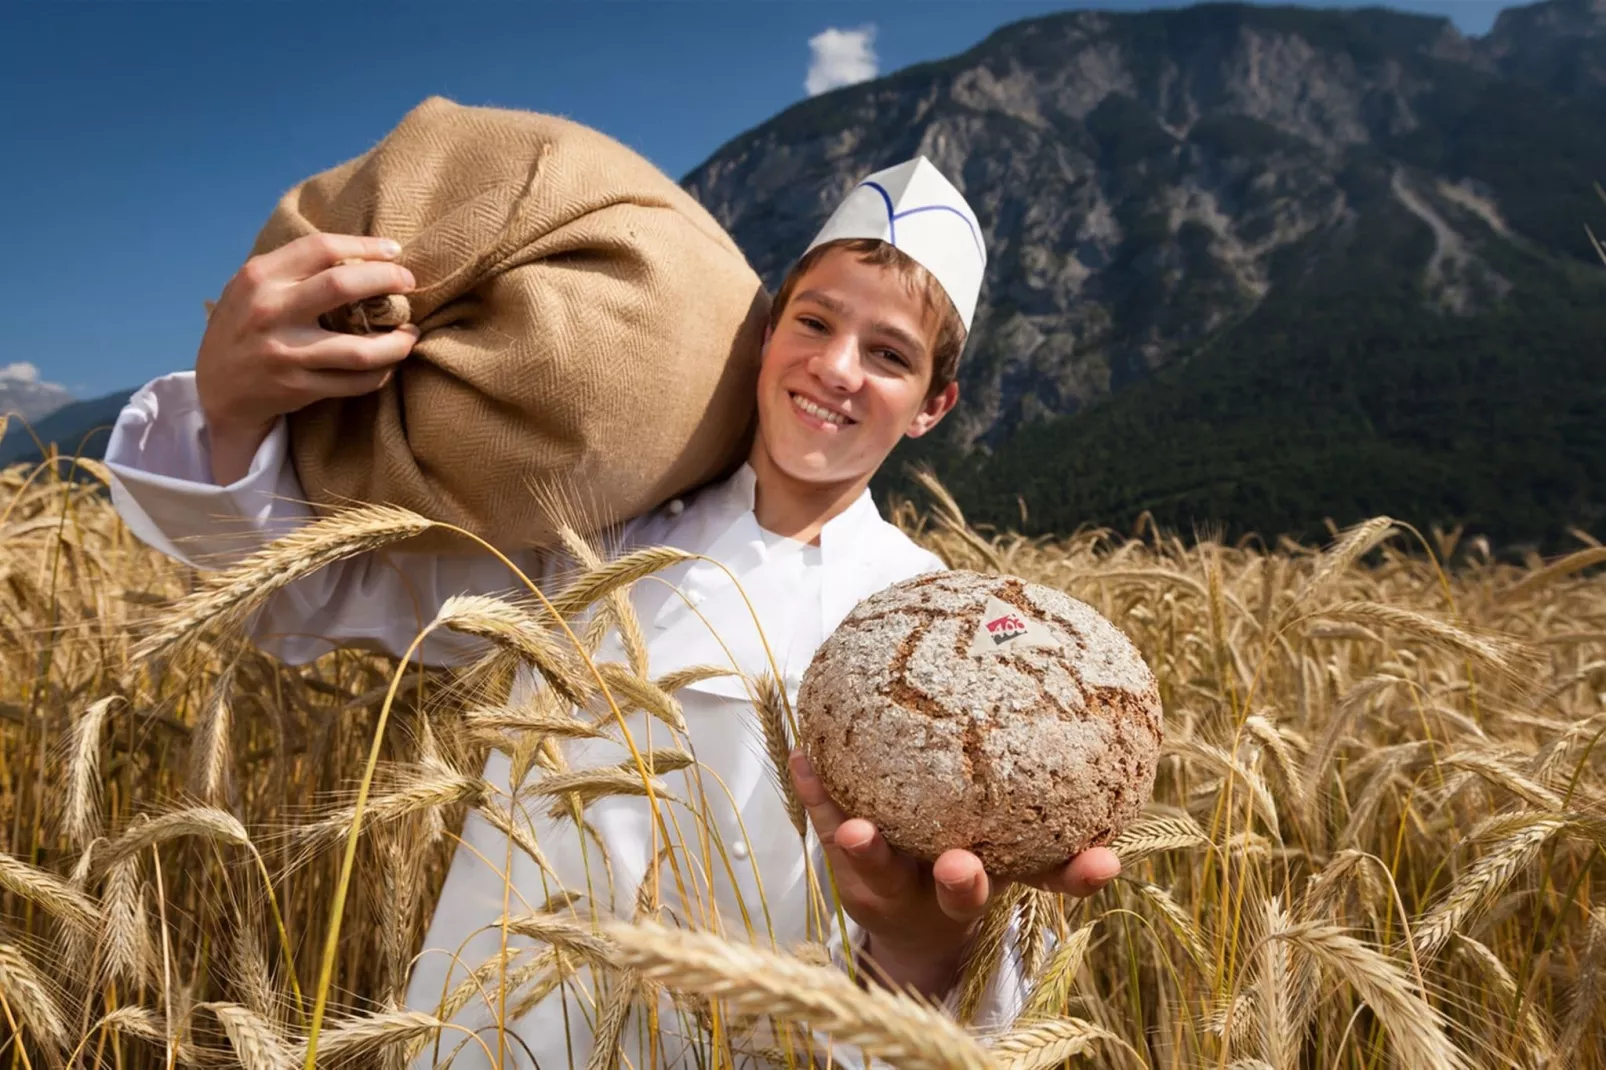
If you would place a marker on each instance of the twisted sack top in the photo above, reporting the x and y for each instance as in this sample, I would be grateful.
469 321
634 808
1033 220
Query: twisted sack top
587 328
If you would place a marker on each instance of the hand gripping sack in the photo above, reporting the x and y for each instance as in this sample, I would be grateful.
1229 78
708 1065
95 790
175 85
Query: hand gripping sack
589 333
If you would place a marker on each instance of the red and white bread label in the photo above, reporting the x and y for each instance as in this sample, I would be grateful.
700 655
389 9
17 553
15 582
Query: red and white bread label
1004 629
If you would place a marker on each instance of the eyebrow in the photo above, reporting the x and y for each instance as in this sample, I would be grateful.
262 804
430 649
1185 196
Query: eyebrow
840 308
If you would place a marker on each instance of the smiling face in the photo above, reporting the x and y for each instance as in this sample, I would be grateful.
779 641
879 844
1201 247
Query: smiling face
847 373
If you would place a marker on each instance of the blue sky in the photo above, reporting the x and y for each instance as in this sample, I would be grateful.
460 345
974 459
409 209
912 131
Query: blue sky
149 140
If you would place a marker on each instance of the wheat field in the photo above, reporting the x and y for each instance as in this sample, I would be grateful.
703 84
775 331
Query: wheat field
1375 839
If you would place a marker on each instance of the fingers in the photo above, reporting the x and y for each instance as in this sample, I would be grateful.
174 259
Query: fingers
963 886
343 284
358 353
853 843
877 866
824 814
1084 875
315 253
343 384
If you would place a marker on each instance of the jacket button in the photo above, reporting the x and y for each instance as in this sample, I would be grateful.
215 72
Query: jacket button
739 850
677 507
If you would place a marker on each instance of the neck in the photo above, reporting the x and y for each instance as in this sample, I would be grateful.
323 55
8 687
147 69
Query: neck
794 508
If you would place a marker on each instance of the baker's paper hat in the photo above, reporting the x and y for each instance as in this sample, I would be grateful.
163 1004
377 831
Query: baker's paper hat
917 210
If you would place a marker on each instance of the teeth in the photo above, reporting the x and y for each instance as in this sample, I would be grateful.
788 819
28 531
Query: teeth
814 410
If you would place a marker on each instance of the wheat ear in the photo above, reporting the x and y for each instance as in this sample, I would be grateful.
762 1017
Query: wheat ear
1052 993
25 990
1151 835
519 631
352 1037
616 574
564 934
256 1042
1588 993
231 594
986 951
1047 1043
83 783
1348 548
631 693
1500 654
605 1044
1477 888
771 708
205 821
752 981
1417 1029
126 952
48 892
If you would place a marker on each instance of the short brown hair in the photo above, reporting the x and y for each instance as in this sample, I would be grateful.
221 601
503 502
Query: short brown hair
950 340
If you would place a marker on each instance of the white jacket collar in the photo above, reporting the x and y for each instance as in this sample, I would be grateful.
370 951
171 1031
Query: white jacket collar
838 538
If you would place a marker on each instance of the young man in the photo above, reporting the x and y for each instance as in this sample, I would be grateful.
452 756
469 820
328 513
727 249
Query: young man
862 350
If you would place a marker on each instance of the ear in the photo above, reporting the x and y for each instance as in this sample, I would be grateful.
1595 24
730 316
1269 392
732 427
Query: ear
931 413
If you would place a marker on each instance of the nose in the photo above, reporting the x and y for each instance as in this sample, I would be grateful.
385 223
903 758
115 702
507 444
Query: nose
837 364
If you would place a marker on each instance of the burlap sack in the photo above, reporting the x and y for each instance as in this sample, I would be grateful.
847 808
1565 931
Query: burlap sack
587 328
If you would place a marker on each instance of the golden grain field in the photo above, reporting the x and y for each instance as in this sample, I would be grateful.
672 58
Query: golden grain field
1376 837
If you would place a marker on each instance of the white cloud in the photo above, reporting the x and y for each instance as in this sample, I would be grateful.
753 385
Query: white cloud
841 57
20 372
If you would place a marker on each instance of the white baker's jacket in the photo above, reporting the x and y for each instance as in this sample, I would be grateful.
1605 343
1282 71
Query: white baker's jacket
162 488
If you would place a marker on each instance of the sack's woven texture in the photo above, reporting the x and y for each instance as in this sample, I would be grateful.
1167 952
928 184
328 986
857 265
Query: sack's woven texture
588 330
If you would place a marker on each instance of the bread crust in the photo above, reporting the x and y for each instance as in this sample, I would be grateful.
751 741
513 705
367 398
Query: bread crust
1025 754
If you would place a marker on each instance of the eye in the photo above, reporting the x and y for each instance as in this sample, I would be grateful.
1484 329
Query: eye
893 356
812 323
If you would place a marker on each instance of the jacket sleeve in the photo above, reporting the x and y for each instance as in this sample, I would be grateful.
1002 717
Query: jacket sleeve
163 489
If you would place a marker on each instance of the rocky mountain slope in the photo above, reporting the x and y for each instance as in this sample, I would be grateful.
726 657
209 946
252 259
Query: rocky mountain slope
1250 267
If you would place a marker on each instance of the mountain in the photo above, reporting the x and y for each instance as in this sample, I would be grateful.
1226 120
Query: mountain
77 429
1250 267
23 395
1560 46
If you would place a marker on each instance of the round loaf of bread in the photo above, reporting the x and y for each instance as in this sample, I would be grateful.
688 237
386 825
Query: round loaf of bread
961 710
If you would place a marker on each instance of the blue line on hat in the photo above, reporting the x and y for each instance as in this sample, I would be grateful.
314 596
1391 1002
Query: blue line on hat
892 220
893 217
945 208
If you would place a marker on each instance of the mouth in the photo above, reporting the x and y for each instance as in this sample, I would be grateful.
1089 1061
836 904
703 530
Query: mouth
819 414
